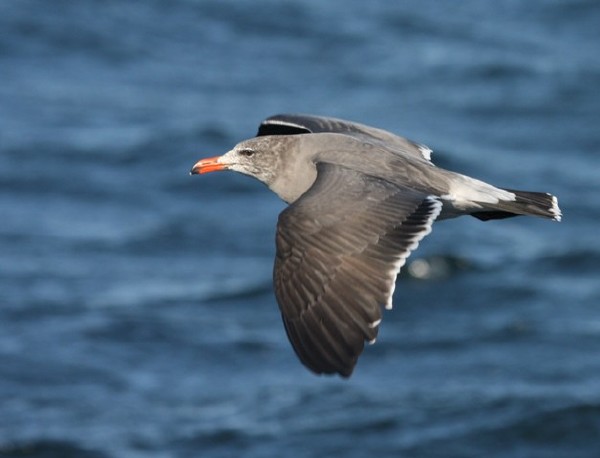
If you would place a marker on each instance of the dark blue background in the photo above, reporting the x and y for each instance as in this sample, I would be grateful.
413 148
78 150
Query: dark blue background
136 310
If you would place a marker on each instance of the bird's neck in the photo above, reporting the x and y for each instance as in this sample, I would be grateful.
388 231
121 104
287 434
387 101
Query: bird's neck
296 177
294 182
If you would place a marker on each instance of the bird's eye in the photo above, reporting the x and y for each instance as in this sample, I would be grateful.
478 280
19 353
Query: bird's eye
246 152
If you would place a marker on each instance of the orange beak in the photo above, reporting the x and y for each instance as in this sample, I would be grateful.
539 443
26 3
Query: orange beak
210 164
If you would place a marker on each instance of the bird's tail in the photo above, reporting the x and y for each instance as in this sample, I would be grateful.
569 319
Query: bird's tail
525 203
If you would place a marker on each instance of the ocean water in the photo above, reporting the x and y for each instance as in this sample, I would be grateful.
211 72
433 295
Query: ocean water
137 317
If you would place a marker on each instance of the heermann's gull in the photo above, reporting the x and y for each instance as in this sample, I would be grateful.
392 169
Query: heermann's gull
361 199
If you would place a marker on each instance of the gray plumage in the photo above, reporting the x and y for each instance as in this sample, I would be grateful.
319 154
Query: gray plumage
360 200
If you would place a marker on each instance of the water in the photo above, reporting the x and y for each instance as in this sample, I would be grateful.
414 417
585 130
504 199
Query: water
136 312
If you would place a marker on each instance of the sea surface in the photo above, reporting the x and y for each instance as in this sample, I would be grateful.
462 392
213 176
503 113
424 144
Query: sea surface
137 317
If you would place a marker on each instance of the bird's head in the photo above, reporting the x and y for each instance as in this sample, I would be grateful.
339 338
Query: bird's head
258 157
279 161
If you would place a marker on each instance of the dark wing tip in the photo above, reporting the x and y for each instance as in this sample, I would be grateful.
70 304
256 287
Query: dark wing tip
314 355
283 124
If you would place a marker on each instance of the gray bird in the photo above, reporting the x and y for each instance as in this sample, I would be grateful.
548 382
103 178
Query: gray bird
360 201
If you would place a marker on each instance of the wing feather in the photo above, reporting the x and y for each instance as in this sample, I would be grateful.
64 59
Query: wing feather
339 249
297 124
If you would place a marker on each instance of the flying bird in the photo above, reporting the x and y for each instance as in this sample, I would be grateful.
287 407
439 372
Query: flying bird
360 201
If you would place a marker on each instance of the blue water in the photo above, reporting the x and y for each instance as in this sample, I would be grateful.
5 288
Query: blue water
137 317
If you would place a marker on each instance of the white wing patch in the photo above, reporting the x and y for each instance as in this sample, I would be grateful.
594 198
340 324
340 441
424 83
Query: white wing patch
375 323
280 122
425 151
436 208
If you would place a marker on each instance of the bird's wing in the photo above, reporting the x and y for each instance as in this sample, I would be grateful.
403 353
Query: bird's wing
339 249
291 124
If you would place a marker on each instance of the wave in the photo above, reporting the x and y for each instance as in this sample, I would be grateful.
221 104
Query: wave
561 431
45 448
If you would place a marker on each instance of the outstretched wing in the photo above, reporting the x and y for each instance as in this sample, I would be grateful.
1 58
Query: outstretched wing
339 249
292 124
